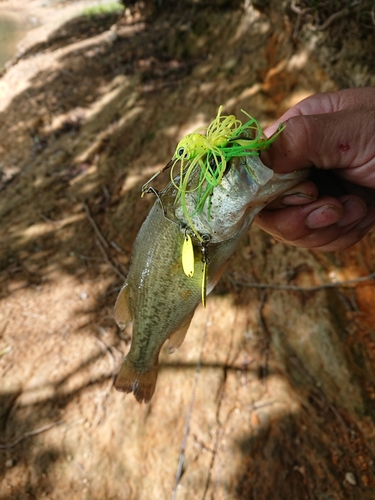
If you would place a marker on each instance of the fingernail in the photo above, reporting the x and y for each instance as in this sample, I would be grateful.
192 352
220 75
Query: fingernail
323 216
298 199
354 210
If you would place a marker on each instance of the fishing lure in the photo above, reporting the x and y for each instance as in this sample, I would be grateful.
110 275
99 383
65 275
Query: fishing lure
204 155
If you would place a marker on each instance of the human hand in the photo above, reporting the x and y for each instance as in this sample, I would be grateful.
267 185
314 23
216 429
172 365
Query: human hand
335 134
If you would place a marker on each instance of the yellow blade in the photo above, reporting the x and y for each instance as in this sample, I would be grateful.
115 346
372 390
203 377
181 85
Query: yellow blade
188 257
204 284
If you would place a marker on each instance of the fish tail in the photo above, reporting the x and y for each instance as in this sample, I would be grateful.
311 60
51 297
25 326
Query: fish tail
141 384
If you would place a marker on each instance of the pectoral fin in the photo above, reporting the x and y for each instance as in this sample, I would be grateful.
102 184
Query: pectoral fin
122 312
177 337
141 384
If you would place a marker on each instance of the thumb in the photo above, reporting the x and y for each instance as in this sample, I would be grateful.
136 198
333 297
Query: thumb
327 140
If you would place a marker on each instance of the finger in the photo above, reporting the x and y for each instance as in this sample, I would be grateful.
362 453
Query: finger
327 102
312 105
342 239
328 223
327 136
341 235
324 141
289 224
303 193
348 236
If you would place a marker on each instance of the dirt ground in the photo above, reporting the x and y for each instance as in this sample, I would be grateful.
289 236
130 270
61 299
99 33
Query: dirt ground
272 394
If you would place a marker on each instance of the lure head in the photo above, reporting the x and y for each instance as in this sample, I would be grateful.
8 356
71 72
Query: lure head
191 146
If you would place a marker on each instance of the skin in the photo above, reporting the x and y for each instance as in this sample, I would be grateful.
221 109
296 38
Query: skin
335 133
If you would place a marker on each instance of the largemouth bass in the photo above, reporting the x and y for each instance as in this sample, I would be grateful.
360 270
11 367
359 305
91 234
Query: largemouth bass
158 296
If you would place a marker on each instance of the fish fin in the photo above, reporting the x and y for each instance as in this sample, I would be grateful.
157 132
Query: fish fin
141 384
178 336
122 312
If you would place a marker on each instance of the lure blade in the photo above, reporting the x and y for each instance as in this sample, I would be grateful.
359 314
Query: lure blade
188 257
204 284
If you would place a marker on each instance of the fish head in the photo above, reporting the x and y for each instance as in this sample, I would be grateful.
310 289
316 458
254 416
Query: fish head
246 188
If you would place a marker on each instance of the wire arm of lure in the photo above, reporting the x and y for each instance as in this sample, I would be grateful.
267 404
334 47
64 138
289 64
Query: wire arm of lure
151 190
146 188
204 244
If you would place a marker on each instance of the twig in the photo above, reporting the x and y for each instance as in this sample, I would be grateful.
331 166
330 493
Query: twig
86 257
298 10
116 289
256 406
188 418
116 247
102 243
300 13
118 265
296 288
334 17
46 219
105 393
107 259
101 238
12 270
27 434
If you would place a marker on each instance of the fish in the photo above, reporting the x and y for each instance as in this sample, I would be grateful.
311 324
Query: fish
158 296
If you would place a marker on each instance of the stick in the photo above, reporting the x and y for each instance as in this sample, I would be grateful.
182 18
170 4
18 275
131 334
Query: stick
107 259
102 242
296 288
27 434
336 15
100 407
101 238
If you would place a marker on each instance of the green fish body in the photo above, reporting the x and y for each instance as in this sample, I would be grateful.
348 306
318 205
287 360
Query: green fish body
158 296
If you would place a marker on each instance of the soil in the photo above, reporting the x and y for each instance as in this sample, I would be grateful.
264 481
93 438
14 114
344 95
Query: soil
272 394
